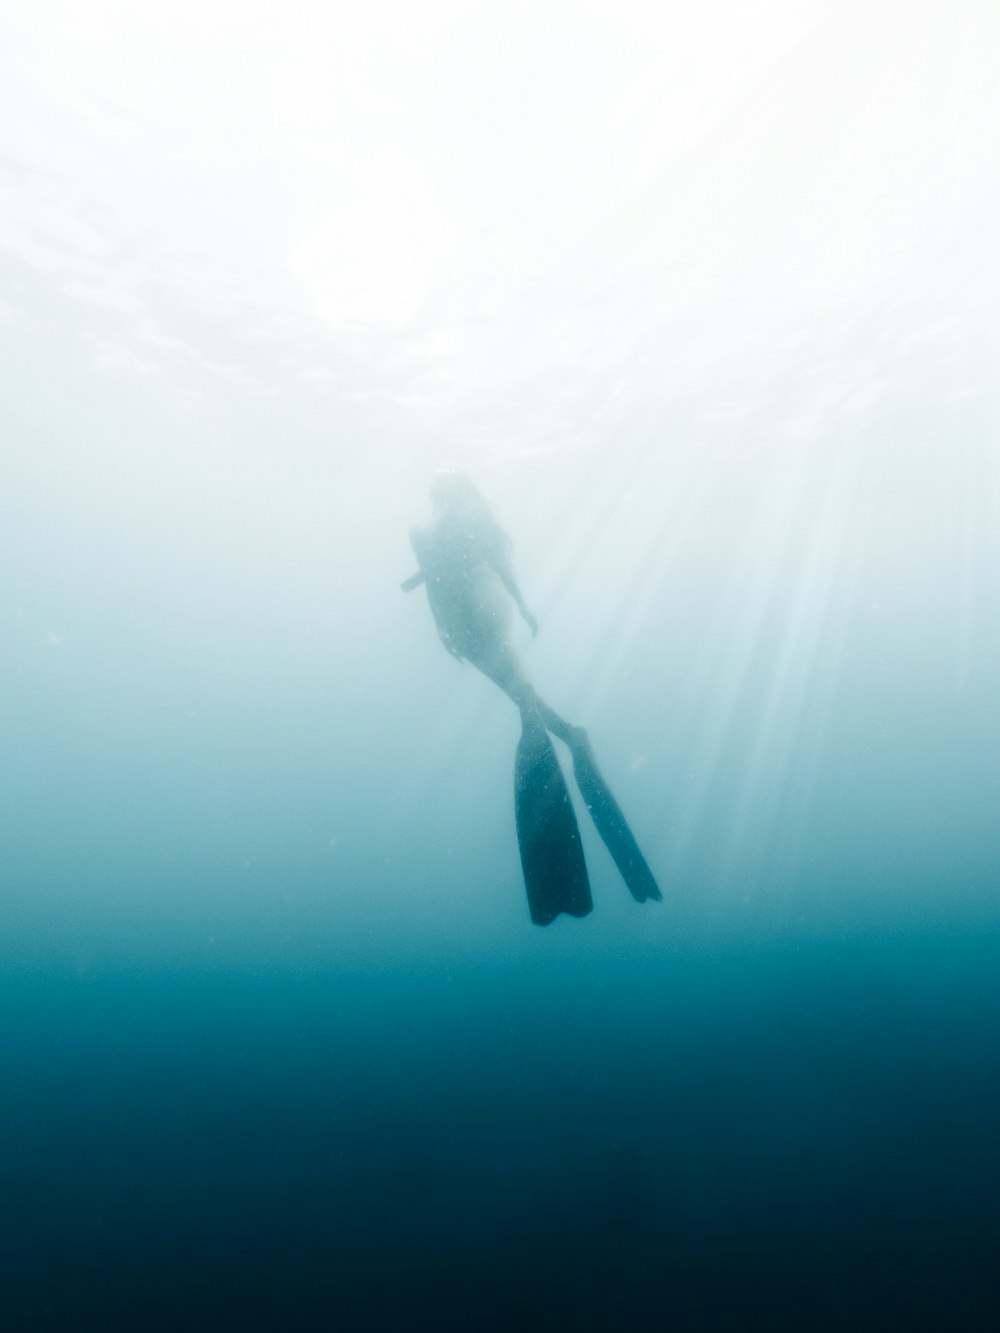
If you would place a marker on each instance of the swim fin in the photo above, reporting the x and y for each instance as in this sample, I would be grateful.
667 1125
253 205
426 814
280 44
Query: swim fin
610 823
555 873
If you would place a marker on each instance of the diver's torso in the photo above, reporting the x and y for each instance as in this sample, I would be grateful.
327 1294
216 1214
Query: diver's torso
449 549
462 584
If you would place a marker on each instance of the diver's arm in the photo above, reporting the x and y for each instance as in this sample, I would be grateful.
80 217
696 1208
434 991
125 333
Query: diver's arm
506 576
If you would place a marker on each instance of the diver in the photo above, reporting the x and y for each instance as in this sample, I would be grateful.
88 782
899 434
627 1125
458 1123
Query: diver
465 565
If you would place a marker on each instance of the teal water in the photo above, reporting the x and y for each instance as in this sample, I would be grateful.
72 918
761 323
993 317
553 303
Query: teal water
279 1045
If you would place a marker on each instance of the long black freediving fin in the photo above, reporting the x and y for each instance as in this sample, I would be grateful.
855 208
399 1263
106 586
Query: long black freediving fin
611 824
555 873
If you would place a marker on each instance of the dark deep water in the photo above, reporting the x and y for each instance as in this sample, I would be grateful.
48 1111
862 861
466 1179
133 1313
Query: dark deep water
796 1135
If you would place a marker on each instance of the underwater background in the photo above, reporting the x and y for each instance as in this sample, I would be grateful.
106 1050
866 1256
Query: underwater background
706 307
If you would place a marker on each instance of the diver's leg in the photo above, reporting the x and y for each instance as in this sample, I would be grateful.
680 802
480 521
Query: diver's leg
505 670
566 732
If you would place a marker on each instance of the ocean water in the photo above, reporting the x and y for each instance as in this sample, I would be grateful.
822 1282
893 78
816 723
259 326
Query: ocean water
279 1045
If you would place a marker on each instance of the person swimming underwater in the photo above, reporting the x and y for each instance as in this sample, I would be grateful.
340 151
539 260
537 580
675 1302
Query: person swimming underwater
465 564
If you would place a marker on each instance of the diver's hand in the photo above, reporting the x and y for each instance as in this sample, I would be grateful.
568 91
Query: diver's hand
530 621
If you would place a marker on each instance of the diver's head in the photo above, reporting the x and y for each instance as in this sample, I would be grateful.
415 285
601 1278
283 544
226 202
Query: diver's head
454 495
451 489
